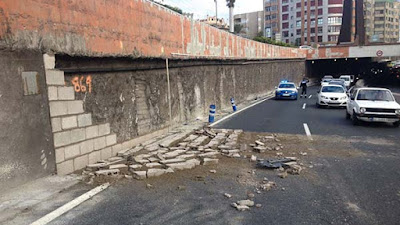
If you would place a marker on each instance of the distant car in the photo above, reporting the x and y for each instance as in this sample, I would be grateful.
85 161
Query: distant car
286 90
338 82
347 80
327 77
325 82
332 95
373 105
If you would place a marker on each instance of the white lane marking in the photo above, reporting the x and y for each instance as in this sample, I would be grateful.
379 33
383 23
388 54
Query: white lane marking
310 96
70 205
304 105
230 115
307 131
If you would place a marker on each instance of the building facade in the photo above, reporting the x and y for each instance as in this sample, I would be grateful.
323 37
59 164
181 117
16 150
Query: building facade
309 22
386 21
216 22
249 25
272 19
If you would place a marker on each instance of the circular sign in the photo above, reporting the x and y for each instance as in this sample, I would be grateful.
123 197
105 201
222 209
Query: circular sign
379 53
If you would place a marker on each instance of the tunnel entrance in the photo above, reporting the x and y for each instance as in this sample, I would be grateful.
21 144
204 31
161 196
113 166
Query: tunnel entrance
374 72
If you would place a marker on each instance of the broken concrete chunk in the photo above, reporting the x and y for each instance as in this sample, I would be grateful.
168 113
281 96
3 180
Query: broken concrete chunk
228 196
112 172
295 169
122 167
246 202
213 171
253 158
283 175
97 166
156 172
140 175
135 167
209 154
176 160
208 161
259 143
153 165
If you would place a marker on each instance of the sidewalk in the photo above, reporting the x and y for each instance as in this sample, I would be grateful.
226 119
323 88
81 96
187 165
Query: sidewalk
19 205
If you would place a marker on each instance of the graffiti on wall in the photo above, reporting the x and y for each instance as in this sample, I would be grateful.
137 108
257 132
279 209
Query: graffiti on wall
82 83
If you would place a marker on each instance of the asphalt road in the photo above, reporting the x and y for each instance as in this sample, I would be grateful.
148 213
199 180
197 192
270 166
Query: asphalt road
354 178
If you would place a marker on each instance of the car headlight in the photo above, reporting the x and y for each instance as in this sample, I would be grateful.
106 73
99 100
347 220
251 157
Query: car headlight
362 110
397 111
343 98
324 97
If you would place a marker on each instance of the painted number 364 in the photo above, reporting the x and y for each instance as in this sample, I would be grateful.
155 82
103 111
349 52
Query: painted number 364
82 83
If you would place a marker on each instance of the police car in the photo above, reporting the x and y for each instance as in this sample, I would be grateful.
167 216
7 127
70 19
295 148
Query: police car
286 90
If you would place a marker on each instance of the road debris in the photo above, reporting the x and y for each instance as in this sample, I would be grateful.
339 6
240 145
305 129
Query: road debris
213 171
228 195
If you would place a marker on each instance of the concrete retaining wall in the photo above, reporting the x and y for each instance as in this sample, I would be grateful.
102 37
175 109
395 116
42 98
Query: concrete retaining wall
135 28
129 104
26 142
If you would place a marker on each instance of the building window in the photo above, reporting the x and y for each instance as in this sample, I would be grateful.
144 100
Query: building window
285 25
320 30
298 32
298 23
320 21
333 29
334 20
268 17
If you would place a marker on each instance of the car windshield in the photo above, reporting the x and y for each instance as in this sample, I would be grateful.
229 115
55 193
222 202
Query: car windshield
375 95
326 80
287 86
332 89
345 78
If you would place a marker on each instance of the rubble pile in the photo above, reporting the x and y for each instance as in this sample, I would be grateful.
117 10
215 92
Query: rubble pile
176 152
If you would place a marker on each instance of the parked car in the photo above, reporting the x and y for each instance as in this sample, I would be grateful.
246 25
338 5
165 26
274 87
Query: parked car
332 95
305 47
347 80
373 105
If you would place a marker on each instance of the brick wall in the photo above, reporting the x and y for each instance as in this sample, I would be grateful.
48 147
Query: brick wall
135 28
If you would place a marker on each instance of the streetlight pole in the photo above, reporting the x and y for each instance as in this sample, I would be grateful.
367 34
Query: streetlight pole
216 12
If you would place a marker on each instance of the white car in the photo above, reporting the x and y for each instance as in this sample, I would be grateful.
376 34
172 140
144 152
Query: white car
347 80
332 95
373 105
325 82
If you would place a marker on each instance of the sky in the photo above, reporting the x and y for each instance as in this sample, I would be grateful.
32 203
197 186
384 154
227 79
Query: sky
202 8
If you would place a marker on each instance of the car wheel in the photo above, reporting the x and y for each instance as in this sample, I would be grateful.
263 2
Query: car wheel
355 120
318 105
396 124
347 115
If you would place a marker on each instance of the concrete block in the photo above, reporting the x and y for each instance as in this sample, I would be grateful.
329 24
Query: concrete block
55 77
122 168
72 151
60 157
152 165
81 162
78 135
140 175
65 168
99 143
87 146
104 129
208 161
94 157
52 93
58 108
69 122
105 153
56 124
111 139
92 132
85 120
49 61
113 172
66 93
75 107
115 149
62 138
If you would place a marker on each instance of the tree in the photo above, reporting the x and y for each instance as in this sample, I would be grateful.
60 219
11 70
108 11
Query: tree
238 28
231 5
173 8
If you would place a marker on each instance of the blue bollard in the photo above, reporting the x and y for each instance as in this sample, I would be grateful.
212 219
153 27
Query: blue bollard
212 114
233 104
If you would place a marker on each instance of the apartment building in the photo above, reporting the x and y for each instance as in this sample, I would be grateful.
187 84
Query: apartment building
216 22
272 19
386 21
306 22
251 24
